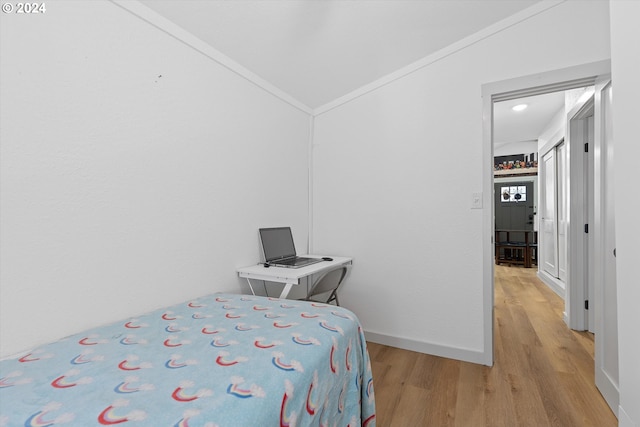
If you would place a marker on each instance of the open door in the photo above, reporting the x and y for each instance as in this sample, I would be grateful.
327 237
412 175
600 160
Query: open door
604 261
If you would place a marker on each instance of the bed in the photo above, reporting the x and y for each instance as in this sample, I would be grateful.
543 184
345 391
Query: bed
220 360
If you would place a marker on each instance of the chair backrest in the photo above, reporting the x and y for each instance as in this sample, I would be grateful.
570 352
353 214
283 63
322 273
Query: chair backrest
328 282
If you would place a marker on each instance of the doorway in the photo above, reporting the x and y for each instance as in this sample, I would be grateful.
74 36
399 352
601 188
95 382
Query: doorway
516 239
570 78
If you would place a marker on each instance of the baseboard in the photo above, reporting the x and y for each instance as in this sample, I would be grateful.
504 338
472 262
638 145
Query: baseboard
554 284
624 420
456 353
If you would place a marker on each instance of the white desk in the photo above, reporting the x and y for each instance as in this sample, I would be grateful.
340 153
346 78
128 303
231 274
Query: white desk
289 276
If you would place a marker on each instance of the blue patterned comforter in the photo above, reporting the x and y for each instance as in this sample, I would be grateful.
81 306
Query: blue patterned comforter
221 360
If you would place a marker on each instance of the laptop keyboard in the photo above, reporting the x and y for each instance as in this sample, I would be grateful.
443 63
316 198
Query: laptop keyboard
296 261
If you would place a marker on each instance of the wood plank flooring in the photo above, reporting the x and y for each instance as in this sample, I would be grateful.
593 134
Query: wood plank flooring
543 373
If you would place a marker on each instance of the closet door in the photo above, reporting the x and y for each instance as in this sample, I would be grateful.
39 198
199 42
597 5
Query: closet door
548 220
562 210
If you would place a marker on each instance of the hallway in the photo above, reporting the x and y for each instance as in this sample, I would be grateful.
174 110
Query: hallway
543 373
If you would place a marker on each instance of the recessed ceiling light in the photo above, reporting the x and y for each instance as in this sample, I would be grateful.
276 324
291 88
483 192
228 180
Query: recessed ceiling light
519 107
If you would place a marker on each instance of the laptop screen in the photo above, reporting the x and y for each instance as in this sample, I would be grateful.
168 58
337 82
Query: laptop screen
277 243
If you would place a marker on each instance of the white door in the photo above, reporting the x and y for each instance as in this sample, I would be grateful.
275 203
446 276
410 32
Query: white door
562 210
606 315
548 224
579 130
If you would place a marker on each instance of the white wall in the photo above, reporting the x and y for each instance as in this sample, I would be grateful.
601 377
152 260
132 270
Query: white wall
556 129
519 147
553 132
625 67
135 171
395 169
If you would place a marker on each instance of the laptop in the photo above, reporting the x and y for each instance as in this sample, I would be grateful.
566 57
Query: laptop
278 248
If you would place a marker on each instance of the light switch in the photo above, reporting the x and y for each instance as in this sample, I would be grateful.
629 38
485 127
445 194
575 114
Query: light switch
476 201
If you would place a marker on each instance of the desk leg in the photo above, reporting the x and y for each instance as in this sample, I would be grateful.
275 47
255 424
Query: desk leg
251 286
286 290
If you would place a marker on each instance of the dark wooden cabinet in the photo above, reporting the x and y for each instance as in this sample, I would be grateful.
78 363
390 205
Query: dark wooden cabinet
516 247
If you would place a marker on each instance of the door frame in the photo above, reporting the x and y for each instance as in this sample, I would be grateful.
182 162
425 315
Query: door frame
577 314
535 84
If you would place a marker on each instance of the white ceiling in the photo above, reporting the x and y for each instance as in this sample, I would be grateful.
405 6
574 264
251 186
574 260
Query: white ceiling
519 126
319 50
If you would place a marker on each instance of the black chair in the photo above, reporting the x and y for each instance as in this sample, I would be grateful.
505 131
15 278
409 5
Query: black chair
325 288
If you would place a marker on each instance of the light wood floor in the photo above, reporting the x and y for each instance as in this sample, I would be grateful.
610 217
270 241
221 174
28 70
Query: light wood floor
543 373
